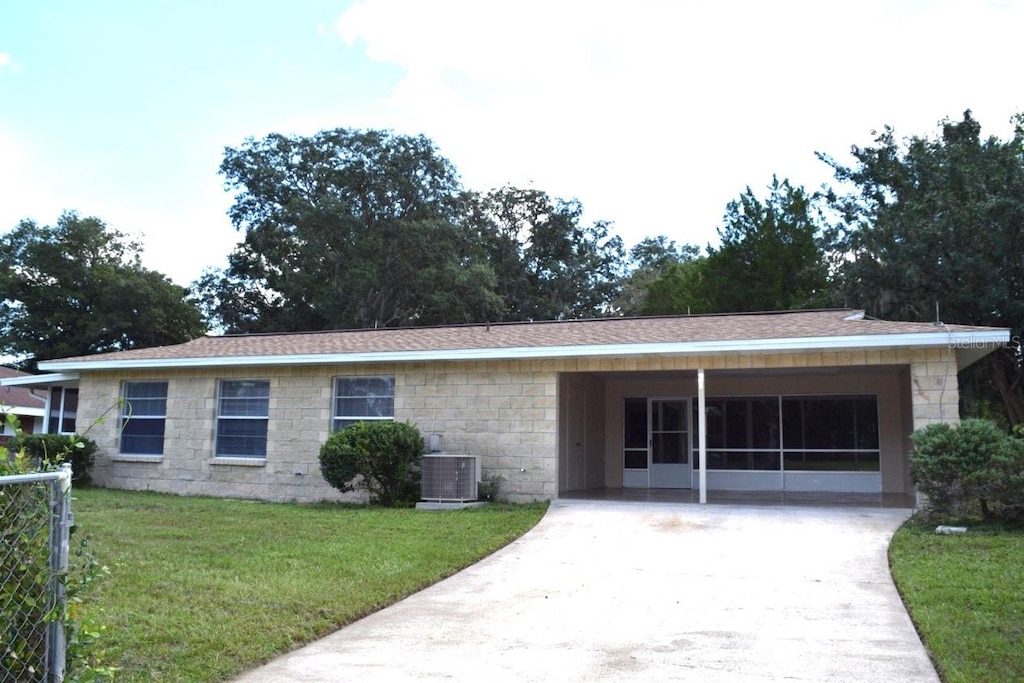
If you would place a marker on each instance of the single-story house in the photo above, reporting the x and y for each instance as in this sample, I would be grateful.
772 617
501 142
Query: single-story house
26 404
787 401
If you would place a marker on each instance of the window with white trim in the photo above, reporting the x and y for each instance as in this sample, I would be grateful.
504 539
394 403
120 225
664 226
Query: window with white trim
362 399
63 410
143 417
243 411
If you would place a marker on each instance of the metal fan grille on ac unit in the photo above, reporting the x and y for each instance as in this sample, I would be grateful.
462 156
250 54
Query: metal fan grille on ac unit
450 478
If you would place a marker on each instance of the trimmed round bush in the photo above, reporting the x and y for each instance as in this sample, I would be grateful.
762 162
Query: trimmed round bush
975 463
380 457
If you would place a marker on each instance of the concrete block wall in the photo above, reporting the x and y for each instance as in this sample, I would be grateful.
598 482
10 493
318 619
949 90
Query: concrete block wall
502 411
299 409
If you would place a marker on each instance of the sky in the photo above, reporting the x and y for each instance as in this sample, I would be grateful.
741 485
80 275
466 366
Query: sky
654 114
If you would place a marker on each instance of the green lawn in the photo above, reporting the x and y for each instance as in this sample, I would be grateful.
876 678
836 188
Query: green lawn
202 589
966 595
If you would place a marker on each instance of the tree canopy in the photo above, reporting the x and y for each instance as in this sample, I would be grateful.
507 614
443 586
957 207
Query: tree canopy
770 257
662 277
350 228
346 229
78 287
549 265
938 222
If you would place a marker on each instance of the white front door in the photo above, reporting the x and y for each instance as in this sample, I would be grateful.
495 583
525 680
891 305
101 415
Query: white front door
670 465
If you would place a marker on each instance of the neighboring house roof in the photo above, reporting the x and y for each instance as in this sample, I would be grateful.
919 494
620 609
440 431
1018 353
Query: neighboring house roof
755 332
23 401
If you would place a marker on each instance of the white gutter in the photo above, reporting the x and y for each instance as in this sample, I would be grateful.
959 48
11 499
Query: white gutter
36 380
956 340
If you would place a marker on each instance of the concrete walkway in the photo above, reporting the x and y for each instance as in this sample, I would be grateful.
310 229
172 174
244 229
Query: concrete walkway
603 591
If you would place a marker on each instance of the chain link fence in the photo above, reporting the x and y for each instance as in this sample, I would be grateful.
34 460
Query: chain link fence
35 520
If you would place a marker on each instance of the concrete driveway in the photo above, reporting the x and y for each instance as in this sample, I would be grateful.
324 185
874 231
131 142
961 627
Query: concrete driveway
602 591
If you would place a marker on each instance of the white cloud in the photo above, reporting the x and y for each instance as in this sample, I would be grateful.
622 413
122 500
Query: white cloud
657 113
7 63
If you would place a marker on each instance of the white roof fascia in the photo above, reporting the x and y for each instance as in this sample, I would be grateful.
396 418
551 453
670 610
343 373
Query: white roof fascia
37 380
957 340
22 410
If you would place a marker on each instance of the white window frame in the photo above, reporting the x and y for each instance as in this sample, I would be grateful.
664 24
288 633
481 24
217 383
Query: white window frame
129 414
220 419
344 420
61 412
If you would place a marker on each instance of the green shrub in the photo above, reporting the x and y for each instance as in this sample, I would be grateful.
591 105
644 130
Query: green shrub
974 463
1000 483
50 450
381 457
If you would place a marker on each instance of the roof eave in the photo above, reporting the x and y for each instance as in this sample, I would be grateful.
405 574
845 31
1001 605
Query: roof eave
22 410
40 380
981 342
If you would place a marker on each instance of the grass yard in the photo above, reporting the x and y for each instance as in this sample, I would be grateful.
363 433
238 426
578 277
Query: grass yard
966 595
202 589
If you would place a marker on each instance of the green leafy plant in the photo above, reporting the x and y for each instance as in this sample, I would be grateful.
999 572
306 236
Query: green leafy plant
975 463
490 488
24 562
50 450
380 457
84 660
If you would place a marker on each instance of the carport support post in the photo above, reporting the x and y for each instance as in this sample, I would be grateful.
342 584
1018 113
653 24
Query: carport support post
702 437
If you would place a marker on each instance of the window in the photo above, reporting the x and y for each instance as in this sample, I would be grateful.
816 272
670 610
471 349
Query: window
361 399
243 410
63 410
820 433
635 434
742 433
836 434
143 415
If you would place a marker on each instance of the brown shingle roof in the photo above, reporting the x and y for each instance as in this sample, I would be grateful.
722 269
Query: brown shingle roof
569 333
20 397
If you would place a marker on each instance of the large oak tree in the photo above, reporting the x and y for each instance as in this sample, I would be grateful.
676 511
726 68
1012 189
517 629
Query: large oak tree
78 287
343 229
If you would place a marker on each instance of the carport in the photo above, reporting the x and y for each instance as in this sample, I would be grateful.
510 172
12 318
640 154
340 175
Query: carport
829 416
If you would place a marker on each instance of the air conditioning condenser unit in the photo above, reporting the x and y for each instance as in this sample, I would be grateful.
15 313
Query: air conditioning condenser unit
450 478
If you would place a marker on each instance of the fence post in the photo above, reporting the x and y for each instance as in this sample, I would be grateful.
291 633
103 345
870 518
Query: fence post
60 532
